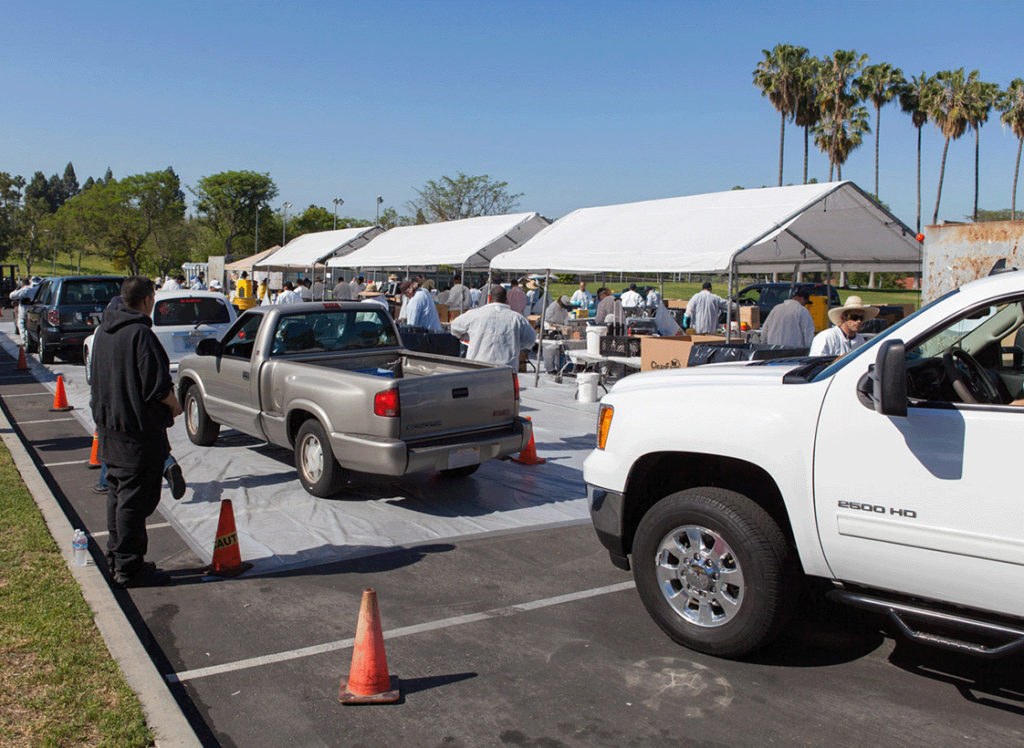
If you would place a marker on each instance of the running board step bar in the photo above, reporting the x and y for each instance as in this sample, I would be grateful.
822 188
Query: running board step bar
899 611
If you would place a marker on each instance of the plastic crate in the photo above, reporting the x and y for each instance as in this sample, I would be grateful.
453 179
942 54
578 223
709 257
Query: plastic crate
626 346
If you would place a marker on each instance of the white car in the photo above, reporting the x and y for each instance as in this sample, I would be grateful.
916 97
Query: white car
180 320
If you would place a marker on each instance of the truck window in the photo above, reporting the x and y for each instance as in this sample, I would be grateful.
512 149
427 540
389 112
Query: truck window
240 340
203 310
330 330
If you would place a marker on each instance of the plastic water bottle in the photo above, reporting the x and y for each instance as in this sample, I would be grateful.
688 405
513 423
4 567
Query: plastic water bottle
80 544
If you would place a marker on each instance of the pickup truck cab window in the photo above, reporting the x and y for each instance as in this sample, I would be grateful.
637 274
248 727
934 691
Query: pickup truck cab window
240 339
340 330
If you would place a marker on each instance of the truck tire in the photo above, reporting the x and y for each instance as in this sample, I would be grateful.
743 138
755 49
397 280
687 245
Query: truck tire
715 571
200 428
45 352
459 472
319 473
30 346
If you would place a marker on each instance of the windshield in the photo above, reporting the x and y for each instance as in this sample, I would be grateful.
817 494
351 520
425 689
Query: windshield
328 330
841 362
190 311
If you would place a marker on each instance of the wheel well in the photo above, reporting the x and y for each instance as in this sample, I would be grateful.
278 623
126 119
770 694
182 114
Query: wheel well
295 420
183 385
655 476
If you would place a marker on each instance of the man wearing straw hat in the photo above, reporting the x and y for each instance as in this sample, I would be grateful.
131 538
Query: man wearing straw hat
845 336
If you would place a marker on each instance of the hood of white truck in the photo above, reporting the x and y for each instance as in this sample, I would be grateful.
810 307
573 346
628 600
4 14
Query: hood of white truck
741 374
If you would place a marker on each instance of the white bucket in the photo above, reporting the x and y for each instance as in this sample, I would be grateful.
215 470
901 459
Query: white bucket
586 386
594 335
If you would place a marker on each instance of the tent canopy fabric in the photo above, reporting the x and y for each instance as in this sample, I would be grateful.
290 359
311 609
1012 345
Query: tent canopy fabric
833 226
471 242
310 250
246 263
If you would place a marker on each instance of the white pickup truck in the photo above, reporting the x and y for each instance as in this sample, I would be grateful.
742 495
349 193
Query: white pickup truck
889 472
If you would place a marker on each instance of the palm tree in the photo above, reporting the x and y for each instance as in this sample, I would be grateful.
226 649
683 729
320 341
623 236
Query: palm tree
879 84
776 75
837 138
837 99
948 106
913 97
807 112
982 96
1011 104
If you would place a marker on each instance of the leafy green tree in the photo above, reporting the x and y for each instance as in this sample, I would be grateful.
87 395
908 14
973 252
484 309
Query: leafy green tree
778 76
68 184
463 197
227 203
949 103
108 177
389 219
985 216
41 188
119 218
30 231
175 244
981 98
1011 104
10 206
807 111
843 123
913 101
879 84
88 183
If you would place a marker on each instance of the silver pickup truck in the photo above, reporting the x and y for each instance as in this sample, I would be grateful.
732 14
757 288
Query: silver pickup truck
332 382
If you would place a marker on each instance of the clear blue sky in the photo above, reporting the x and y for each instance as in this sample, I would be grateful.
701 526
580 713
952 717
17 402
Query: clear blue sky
574 104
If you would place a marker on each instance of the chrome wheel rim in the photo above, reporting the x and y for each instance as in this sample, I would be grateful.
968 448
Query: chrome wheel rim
311 454
700 576
193 415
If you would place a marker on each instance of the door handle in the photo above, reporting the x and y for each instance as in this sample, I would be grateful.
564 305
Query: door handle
245 375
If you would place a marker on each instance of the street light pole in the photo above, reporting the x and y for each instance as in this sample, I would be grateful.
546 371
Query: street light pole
379 201
284 224
337 201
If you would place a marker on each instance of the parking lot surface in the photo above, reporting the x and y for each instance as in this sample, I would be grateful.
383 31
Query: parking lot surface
501 614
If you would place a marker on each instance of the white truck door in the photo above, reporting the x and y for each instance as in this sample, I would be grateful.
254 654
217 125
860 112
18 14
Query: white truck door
929 504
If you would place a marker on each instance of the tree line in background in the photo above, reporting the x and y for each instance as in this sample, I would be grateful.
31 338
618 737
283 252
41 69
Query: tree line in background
141 222
825 97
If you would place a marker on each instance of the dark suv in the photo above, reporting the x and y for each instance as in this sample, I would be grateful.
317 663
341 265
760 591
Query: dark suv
767 296
66 311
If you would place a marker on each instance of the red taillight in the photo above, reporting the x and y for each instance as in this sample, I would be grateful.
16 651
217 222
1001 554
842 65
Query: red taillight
53 317
515 384
386 404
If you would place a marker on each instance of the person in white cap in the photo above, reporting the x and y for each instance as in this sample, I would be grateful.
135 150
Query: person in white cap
845 336
558 312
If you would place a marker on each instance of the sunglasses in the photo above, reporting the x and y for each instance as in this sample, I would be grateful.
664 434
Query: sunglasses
855 317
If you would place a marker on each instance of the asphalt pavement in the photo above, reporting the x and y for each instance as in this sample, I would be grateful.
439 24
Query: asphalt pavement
528 638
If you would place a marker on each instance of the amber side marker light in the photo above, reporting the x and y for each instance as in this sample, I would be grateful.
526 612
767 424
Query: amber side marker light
604 424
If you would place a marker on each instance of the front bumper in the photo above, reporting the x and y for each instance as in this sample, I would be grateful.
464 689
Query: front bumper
607 514
382 456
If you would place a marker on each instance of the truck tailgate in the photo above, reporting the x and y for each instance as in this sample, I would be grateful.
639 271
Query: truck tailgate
445 403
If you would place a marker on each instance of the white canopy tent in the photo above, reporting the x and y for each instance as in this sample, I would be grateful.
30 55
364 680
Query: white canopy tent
309 250
471 243
834 226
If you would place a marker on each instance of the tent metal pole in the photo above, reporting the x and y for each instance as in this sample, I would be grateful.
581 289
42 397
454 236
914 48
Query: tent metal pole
728 306
540 340
661 287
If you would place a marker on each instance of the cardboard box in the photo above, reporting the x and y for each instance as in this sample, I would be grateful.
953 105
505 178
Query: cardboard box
751 315
676 303
671 352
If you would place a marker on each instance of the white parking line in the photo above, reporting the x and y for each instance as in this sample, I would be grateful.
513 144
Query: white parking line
30 394
444 623
62 464
45 420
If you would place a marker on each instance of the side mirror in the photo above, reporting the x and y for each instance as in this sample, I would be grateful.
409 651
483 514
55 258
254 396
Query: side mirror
208 347
889 379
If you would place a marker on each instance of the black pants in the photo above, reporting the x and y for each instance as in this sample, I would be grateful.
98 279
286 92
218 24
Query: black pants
133 496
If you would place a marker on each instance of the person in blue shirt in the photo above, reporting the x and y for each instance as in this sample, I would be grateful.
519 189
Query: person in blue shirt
420 309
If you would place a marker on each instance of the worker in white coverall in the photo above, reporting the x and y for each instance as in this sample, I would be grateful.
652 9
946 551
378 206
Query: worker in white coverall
496 334
790 324
704 310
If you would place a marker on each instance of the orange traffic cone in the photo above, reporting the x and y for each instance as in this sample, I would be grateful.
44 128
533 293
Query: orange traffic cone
227 559
529 455
94 455
22 361
60 399
369 681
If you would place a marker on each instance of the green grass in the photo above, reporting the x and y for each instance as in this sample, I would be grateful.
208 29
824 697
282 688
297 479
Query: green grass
686 290
91 265
58 683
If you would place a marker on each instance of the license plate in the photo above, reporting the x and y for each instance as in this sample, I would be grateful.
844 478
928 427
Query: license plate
462 457
189 344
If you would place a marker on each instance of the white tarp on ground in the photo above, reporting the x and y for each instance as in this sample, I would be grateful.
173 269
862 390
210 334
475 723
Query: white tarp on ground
471 242
821 226
281 526
309 250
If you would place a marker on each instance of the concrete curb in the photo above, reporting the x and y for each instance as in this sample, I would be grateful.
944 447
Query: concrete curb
163 714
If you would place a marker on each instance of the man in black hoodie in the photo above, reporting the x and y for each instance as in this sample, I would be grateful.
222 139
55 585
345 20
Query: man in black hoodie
133 403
